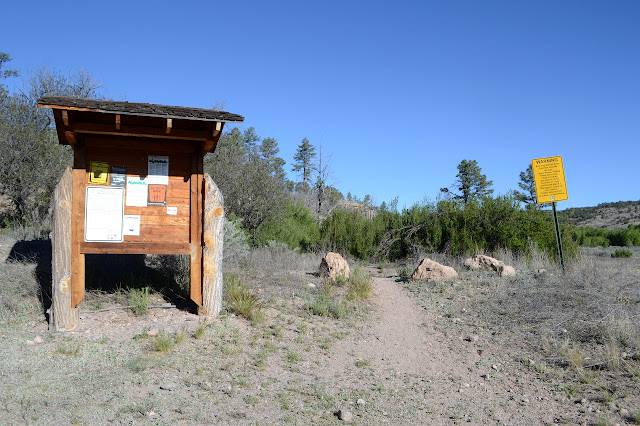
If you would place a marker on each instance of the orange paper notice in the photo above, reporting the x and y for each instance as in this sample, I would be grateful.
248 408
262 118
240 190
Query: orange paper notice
158 195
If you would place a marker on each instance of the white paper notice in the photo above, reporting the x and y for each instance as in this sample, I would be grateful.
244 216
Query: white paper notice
136 191
104 211
158 172
131 224
172 210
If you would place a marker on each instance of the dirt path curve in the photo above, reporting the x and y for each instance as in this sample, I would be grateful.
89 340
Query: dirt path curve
439 379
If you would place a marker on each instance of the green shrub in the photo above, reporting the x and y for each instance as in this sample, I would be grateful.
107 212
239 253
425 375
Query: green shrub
294 226
404 273
139 300
621 253
163 342
240 300
360 288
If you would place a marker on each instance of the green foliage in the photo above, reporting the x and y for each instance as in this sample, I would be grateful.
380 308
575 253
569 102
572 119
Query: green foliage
449 226
32 161
360 288
240 300
404 273
236 242
621 253
470 182
303 161
602 237
248 174
163 342
528 186
139 300
294 226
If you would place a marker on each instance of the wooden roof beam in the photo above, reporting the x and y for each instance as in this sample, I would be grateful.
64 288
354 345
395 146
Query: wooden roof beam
210 144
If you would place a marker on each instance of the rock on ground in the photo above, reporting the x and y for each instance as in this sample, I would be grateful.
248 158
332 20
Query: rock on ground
333 265
481 261
430 270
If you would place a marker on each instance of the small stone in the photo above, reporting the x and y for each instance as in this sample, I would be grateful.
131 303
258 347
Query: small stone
153 332
165 414
30 342
624 412
152 414
311 285
345 415
38 339
495 367
361 403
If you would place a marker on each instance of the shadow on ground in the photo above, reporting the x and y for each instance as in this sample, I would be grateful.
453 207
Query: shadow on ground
111 272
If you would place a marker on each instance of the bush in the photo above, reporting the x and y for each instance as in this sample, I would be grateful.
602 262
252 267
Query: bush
294 226
139 300
360 288
404 273
621 253
240 300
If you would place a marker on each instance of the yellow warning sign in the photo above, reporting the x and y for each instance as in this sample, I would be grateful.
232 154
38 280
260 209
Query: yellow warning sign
548 174
99 173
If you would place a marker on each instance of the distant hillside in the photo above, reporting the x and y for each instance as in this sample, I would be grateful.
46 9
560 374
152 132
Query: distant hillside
616 215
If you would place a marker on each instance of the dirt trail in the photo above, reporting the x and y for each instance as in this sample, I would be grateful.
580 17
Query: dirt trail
443 379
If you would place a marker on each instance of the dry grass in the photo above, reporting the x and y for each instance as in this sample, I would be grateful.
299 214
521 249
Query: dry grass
584 325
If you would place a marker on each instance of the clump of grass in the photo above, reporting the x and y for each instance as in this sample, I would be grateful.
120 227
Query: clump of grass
404 273
362 363
163 342
621 253
180 336
73 350
293 357
360 288
139 300
241 301
342 280
138 365
326 307
201 330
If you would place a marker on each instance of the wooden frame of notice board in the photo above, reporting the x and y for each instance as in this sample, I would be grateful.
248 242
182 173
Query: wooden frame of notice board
137 187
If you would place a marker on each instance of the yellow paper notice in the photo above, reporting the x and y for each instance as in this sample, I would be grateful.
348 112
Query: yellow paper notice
99 173
548 174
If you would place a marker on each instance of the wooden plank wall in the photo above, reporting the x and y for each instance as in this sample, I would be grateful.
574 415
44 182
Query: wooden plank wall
156 226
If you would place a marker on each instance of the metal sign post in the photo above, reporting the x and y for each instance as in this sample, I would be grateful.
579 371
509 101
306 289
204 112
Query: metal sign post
548 175
558 238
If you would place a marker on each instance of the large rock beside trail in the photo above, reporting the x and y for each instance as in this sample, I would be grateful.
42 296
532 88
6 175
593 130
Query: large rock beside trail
430 270
333 265
480 261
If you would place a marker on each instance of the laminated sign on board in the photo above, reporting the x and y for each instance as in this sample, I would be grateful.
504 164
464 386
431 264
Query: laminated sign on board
548 174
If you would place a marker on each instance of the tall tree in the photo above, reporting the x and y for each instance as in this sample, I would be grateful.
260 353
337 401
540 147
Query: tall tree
32 161
252 192
528 186
269 154
471 182
303 162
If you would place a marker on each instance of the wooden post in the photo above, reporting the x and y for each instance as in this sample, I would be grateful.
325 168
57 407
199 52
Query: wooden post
63 315
213 235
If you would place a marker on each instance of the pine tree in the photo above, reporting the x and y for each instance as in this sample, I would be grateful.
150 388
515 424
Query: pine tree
528 185
304 161
471 182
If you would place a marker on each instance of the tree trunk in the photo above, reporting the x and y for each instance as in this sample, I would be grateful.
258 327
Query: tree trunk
213 235
62 315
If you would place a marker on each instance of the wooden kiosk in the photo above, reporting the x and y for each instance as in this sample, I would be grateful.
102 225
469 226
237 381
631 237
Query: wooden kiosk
137 187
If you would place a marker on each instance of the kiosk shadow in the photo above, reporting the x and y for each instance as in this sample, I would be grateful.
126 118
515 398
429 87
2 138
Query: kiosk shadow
108 272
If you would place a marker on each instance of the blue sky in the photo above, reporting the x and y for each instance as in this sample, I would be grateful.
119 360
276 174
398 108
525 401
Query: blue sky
397 92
